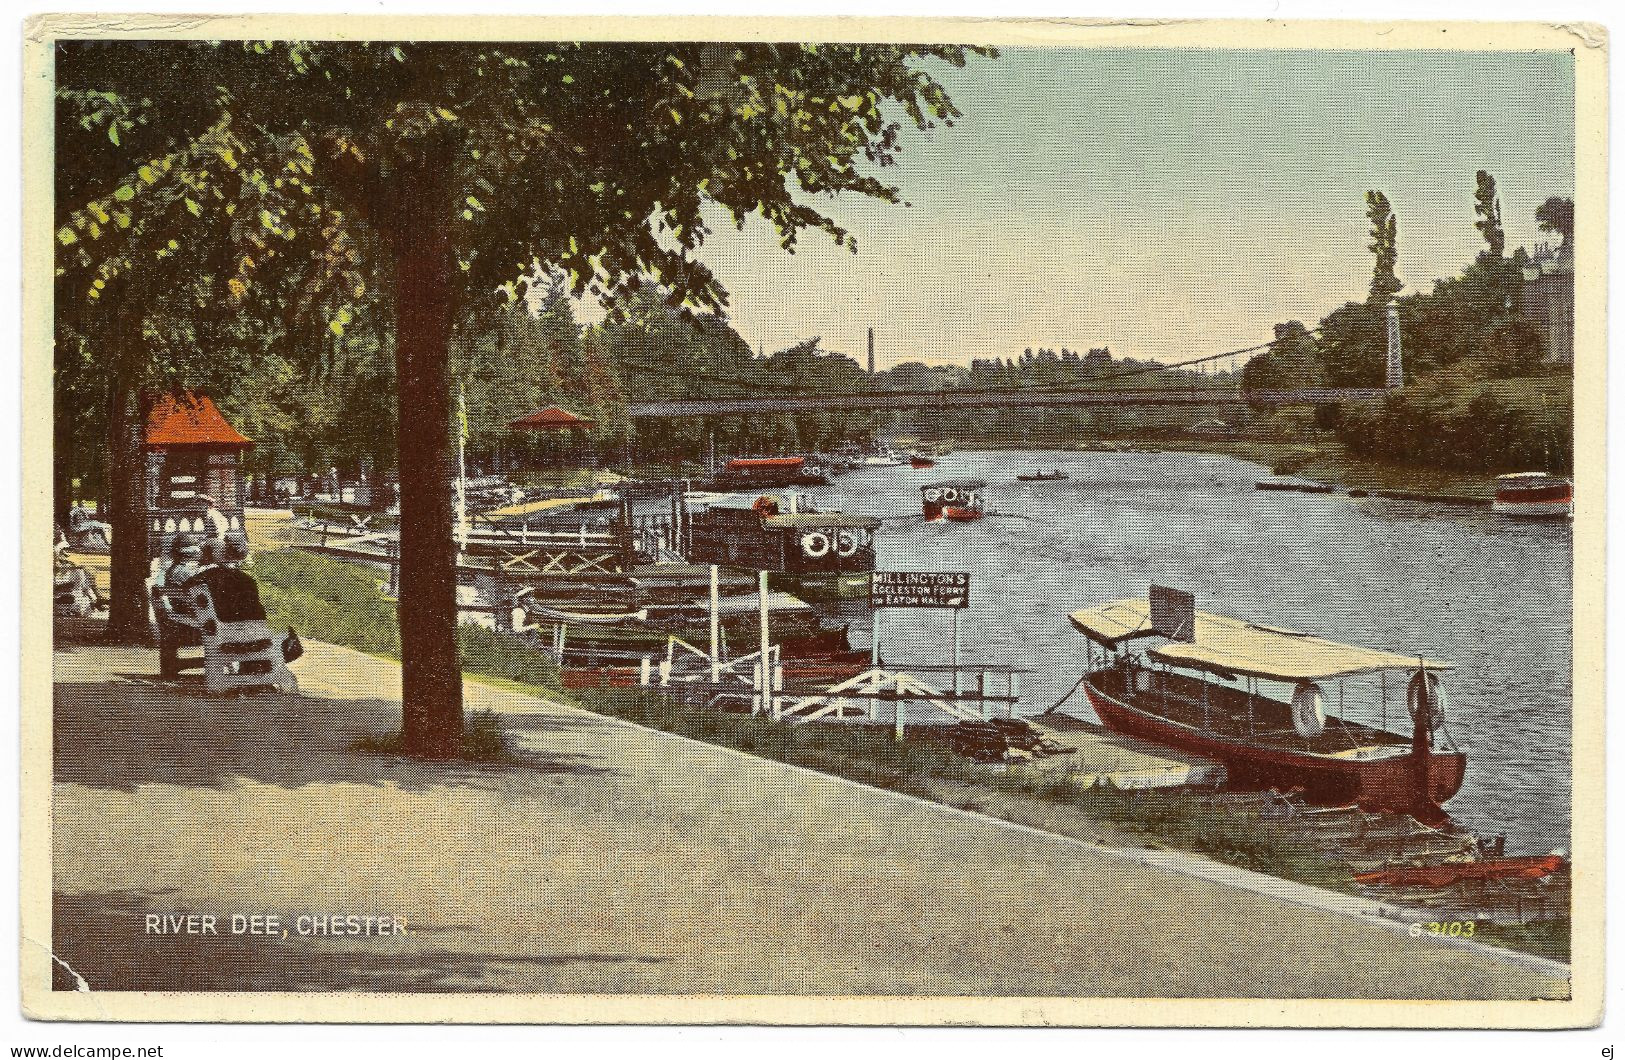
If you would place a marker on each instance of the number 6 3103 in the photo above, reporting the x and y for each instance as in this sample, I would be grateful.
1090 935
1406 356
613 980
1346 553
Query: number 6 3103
1454 929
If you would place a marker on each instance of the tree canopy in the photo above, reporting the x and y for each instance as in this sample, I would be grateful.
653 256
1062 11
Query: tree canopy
403 183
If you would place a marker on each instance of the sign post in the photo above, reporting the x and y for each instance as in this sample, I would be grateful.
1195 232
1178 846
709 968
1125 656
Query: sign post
716 660
929 589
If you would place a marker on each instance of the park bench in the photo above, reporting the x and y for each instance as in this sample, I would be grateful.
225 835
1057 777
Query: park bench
236 655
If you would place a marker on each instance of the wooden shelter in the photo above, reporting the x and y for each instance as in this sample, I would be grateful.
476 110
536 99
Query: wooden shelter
192 453
556 421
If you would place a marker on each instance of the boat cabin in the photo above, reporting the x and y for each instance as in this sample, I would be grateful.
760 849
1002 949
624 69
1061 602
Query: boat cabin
961 494
1279 708
774 535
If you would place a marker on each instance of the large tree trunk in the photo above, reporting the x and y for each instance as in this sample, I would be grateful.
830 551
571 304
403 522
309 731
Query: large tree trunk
127 618
419 236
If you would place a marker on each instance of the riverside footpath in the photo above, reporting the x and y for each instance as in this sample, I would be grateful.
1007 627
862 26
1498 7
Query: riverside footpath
614 859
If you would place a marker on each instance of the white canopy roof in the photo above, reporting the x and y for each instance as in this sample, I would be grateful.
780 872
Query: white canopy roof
1233 646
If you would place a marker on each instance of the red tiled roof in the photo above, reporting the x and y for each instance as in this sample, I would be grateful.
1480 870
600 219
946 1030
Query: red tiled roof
746 462
188 418
551 418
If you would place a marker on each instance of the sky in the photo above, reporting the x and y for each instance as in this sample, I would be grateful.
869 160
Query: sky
1167 203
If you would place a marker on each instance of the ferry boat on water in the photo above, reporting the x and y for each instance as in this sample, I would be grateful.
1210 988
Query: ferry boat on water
958 499
1206 689
1534 494
810 552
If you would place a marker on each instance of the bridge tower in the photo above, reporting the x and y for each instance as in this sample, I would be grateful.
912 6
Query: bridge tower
1396 359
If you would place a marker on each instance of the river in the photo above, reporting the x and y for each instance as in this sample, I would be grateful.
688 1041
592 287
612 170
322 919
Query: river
1489 593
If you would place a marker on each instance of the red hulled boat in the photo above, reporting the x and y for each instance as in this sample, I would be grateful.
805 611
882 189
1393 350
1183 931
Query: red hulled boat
1534 494
1206 690
918 462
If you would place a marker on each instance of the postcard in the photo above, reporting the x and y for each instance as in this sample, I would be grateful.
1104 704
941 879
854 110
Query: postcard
824 521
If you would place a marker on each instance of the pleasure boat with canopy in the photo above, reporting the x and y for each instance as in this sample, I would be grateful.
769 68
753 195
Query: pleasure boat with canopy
1256 698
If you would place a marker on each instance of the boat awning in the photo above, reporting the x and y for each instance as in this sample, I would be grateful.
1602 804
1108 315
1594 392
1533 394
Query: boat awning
821 521
1234 647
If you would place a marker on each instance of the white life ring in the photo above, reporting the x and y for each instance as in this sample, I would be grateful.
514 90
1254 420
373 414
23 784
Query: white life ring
1435 691
1308 710
846 542
933 494
815 544
950 494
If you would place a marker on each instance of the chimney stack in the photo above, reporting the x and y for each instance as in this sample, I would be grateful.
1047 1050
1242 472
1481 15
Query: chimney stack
871 351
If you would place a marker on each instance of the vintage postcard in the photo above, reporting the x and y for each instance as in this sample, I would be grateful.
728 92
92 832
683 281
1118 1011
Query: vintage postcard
817 521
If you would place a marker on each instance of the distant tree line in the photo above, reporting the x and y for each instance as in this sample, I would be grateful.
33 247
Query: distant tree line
1479 393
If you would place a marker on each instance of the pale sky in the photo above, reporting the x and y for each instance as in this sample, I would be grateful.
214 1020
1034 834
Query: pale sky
1167 203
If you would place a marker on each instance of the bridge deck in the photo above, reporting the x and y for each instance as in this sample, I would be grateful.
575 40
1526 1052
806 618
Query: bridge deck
979 399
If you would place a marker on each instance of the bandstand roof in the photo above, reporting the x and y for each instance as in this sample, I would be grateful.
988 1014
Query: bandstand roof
552 418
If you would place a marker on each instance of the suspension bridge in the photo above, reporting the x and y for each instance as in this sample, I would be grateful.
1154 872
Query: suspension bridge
1082 393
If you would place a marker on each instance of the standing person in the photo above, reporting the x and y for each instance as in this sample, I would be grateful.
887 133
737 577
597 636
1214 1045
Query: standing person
218 524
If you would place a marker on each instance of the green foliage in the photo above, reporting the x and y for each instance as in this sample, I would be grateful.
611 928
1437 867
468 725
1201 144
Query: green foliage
1459 422
594 158
1384 246
1292 362
1556 214
1479 397
342 603
1487 207
1548 938
491 654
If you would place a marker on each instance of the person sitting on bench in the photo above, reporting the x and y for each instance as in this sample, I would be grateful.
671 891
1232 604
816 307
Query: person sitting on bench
235 593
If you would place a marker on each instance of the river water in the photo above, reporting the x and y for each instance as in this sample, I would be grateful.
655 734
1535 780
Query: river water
1489 593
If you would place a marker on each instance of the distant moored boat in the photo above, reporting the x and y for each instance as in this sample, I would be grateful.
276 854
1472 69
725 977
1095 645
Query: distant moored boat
1535 494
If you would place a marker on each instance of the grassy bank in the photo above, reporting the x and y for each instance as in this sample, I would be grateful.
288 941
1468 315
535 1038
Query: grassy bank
340 603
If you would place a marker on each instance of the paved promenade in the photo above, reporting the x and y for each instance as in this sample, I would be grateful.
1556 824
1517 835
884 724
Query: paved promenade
614 860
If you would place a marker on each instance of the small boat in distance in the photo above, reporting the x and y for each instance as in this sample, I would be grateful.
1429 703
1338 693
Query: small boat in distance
964 494
1043 476
1534 494
1204 690
919 461
883 458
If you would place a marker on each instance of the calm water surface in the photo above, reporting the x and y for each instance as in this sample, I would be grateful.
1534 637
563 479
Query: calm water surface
1486 592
